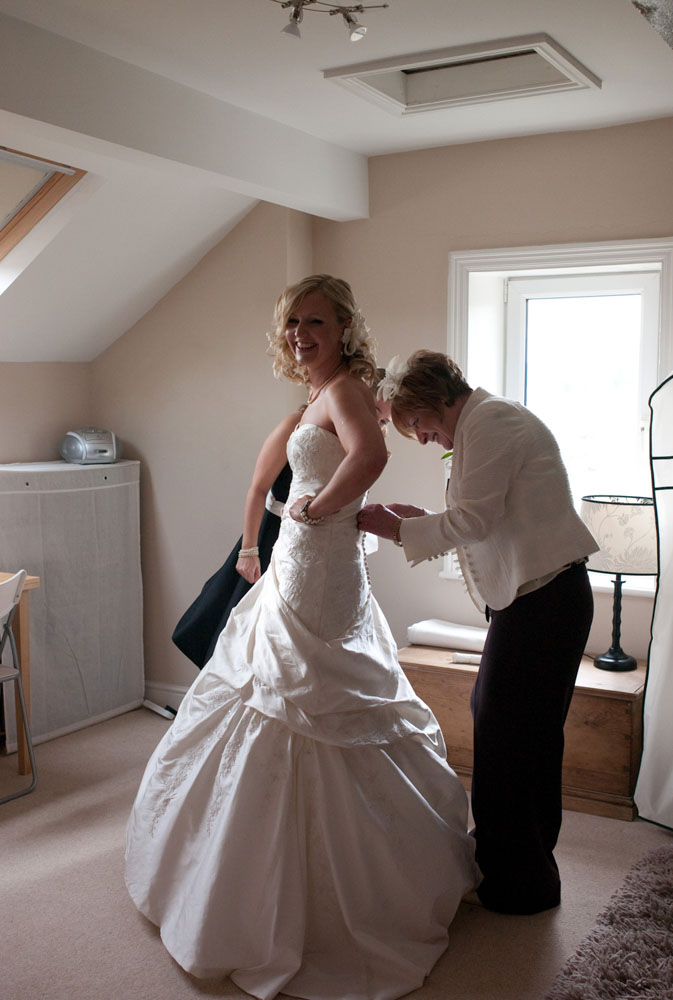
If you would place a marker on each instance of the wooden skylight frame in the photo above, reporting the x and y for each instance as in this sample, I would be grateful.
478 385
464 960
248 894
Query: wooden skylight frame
61 180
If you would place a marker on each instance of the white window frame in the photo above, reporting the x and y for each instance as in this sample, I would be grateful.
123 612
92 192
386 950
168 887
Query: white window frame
520 290
508 262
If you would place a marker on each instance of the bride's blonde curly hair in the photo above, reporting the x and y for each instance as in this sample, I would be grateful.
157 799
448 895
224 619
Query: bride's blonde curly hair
361 362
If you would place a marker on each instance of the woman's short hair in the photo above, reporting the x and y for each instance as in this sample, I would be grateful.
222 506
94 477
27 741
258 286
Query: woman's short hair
361 363
430 382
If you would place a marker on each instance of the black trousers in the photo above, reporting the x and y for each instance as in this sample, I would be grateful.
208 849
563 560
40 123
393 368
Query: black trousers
519 703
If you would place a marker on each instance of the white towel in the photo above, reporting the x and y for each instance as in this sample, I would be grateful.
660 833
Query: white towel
448 635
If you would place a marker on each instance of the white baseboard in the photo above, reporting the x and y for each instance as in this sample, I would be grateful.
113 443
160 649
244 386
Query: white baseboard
157 691
162 693
12 745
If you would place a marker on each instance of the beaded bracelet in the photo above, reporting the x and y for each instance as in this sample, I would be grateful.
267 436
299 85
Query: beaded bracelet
244 553
303 513
396 532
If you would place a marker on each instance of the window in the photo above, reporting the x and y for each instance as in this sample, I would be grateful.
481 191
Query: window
29 188
581 353
582 335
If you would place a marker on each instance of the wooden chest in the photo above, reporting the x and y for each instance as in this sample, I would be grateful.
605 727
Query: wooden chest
603 732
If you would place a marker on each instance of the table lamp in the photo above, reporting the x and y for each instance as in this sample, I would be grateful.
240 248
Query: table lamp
624 527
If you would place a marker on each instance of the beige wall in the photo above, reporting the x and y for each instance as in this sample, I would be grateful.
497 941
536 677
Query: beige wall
190 391
569 187
38 404
189 388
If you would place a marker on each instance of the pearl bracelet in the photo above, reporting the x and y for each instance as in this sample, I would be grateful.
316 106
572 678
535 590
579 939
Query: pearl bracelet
245 553
303 513
396 532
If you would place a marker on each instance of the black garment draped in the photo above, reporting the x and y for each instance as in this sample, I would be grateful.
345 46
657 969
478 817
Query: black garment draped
199 628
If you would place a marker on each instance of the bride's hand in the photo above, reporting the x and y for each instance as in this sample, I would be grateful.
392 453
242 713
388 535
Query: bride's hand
297 506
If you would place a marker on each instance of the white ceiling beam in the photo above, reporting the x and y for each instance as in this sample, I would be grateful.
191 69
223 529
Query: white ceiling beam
50 79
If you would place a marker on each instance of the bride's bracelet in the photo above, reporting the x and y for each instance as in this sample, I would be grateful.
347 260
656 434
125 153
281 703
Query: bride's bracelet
246 553
303 513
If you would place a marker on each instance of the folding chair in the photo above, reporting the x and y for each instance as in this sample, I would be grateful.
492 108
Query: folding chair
10 595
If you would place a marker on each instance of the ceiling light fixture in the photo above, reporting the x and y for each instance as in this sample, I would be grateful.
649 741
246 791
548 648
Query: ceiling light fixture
296 17
356 30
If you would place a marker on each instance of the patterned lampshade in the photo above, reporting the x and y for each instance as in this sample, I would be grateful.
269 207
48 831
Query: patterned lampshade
624 527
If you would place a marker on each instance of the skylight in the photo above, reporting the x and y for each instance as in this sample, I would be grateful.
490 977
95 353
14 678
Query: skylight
29 188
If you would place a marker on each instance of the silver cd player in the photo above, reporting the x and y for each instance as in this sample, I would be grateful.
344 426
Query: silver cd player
90 446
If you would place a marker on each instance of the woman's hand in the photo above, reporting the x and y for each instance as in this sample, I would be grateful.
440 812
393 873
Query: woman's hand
249 567
378 520
297 506
406 510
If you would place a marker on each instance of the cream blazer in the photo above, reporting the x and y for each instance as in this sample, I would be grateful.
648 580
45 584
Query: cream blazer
510 513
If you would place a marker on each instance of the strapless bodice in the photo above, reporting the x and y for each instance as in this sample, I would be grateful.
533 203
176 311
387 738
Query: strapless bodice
314 454
320 568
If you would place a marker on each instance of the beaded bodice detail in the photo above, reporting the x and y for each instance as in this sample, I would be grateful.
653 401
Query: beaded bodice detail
320 569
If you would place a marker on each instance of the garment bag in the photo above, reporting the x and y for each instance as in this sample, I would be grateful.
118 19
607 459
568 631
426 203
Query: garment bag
654 789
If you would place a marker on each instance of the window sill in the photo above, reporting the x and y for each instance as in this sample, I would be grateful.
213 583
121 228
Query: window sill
634 586
601 583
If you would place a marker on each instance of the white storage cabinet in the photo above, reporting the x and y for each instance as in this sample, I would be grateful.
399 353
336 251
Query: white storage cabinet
77 528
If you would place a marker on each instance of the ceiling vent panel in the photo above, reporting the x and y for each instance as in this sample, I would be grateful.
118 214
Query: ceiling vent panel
469 74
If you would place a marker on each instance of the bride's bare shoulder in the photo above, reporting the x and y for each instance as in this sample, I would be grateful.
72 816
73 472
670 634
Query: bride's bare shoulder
350 388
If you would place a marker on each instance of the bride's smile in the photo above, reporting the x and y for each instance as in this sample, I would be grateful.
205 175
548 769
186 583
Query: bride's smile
314 333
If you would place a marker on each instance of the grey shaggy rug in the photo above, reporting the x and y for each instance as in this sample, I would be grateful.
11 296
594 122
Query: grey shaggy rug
629 953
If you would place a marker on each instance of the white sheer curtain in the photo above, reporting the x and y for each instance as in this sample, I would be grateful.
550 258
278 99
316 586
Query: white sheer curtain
654 789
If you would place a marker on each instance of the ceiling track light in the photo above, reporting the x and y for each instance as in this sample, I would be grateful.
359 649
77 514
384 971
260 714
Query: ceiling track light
296 17
356 30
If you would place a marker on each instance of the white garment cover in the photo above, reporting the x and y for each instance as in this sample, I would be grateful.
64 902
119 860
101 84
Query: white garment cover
298 827
654 789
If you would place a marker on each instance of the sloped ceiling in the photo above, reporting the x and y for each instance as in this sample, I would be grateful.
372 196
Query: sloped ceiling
185 114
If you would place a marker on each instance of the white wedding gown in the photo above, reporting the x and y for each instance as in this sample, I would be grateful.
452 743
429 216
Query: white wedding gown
298 828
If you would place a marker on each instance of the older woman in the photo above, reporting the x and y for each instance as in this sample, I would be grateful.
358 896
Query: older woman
522 549
298 828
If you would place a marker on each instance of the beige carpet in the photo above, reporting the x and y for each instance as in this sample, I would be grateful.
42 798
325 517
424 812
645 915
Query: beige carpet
68 930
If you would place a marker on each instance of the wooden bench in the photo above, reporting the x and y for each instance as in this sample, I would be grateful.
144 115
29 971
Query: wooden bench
603 732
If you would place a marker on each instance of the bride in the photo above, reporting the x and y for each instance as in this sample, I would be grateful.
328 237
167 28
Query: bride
298 827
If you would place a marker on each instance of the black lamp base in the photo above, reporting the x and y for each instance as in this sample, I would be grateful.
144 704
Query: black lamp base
615 659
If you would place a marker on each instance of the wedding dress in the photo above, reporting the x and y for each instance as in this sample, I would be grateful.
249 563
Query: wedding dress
298 827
